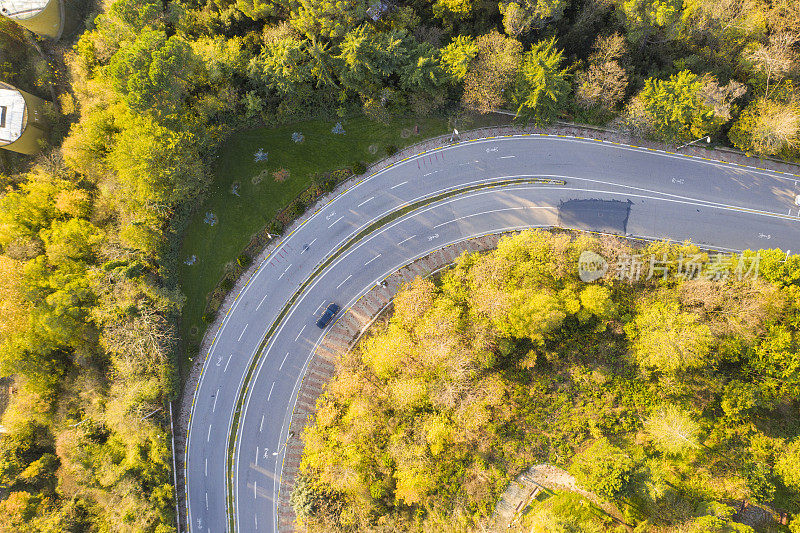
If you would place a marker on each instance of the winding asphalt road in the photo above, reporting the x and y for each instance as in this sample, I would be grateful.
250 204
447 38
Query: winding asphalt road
720 205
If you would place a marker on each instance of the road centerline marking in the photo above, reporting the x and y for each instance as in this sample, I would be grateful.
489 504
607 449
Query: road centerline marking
242 333
345 280
301 332
371 260
399 184
335 221
365 201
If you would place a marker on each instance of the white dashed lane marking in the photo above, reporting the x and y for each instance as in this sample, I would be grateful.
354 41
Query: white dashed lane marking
261 302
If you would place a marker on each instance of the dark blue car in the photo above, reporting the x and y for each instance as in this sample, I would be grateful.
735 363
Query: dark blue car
327 316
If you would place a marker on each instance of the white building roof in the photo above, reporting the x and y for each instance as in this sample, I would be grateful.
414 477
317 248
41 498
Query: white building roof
12 115
22 9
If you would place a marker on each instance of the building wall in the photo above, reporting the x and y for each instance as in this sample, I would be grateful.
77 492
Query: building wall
35 127
49 22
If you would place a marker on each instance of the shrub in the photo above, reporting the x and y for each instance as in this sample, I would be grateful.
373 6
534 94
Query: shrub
226 284
328 185
208 316
243 260
391 149
295 209
281 175
275 227
604 469
359 167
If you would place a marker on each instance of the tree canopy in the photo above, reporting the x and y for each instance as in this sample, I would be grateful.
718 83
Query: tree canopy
644 390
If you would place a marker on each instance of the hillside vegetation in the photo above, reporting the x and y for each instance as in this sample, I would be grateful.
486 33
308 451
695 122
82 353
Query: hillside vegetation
674 399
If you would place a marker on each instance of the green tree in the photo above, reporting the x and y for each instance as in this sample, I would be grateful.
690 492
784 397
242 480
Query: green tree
677 107
72 240
668 339
673 431
604 82
451 11
604 469
257 9
155 164
283 65
596 301
768 127
328 19
490 77
651 20
521 17
457 56
542 86
788 465
154 73
137 14
715 524
423 75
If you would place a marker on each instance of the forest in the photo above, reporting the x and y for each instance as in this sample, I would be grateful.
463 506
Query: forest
673 398
147 90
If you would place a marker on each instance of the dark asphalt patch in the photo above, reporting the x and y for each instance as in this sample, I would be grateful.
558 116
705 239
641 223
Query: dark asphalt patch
608 216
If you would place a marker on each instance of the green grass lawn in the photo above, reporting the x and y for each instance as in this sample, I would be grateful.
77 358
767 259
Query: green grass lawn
240 217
